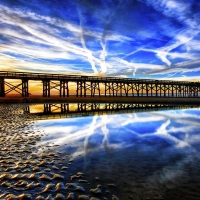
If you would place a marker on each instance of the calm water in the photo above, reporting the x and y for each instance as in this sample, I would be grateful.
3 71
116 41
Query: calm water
151 155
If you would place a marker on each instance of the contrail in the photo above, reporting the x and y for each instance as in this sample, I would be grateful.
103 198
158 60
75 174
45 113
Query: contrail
102 57
105 131
88 52
104 53
103 45
89 133
134 72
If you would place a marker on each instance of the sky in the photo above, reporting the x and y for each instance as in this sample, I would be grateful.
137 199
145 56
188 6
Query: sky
127 38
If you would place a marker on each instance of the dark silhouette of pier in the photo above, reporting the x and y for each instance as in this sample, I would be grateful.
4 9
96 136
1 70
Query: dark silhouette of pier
97 86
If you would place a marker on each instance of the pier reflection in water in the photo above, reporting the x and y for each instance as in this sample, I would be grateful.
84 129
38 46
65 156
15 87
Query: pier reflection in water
68 110
148 155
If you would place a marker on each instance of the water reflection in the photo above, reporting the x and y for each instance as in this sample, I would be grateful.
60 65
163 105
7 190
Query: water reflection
148 155
67 110
144 154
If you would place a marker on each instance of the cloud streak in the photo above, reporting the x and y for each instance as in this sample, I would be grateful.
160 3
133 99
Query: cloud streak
105 39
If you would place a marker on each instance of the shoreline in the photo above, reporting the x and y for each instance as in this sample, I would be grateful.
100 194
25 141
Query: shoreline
74 99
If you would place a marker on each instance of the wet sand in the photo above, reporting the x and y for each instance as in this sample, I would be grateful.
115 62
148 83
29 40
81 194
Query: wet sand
74 99
32 170
29 170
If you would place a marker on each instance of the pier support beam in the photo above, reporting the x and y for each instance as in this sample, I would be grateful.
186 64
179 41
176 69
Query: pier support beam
47 108
64 88
26 110
79 89
46 88
82 87
2 87
94 86
25 88
64 108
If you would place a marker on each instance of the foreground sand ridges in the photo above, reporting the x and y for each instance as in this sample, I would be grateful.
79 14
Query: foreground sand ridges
31 171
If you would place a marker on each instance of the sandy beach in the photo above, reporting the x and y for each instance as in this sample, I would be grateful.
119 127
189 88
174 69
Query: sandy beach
75 159
31 170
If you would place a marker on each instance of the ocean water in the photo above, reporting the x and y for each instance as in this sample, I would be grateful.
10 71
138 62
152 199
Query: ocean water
148 155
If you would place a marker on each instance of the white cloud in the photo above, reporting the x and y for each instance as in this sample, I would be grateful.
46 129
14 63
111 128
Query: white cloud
182 67
41 33
180 11
53 38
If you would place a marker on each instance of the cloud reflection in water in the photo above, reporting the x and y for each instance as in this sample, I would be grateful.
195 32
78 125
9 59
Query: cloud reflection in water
161 148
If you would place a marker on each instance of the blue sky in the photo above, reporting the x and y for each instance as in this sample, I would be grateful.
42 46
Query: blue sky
128 38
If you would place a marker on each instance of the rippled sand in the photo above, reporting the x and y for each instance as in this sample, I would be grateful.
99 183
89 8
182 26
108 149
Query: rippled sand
29 170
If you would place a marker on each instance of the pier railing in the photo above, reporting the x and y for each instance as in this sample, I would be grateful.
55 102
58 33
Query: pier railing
40 76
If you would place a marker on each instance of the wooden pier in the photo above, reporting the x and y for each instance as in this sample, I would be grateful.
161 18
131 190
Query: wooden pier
97 86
